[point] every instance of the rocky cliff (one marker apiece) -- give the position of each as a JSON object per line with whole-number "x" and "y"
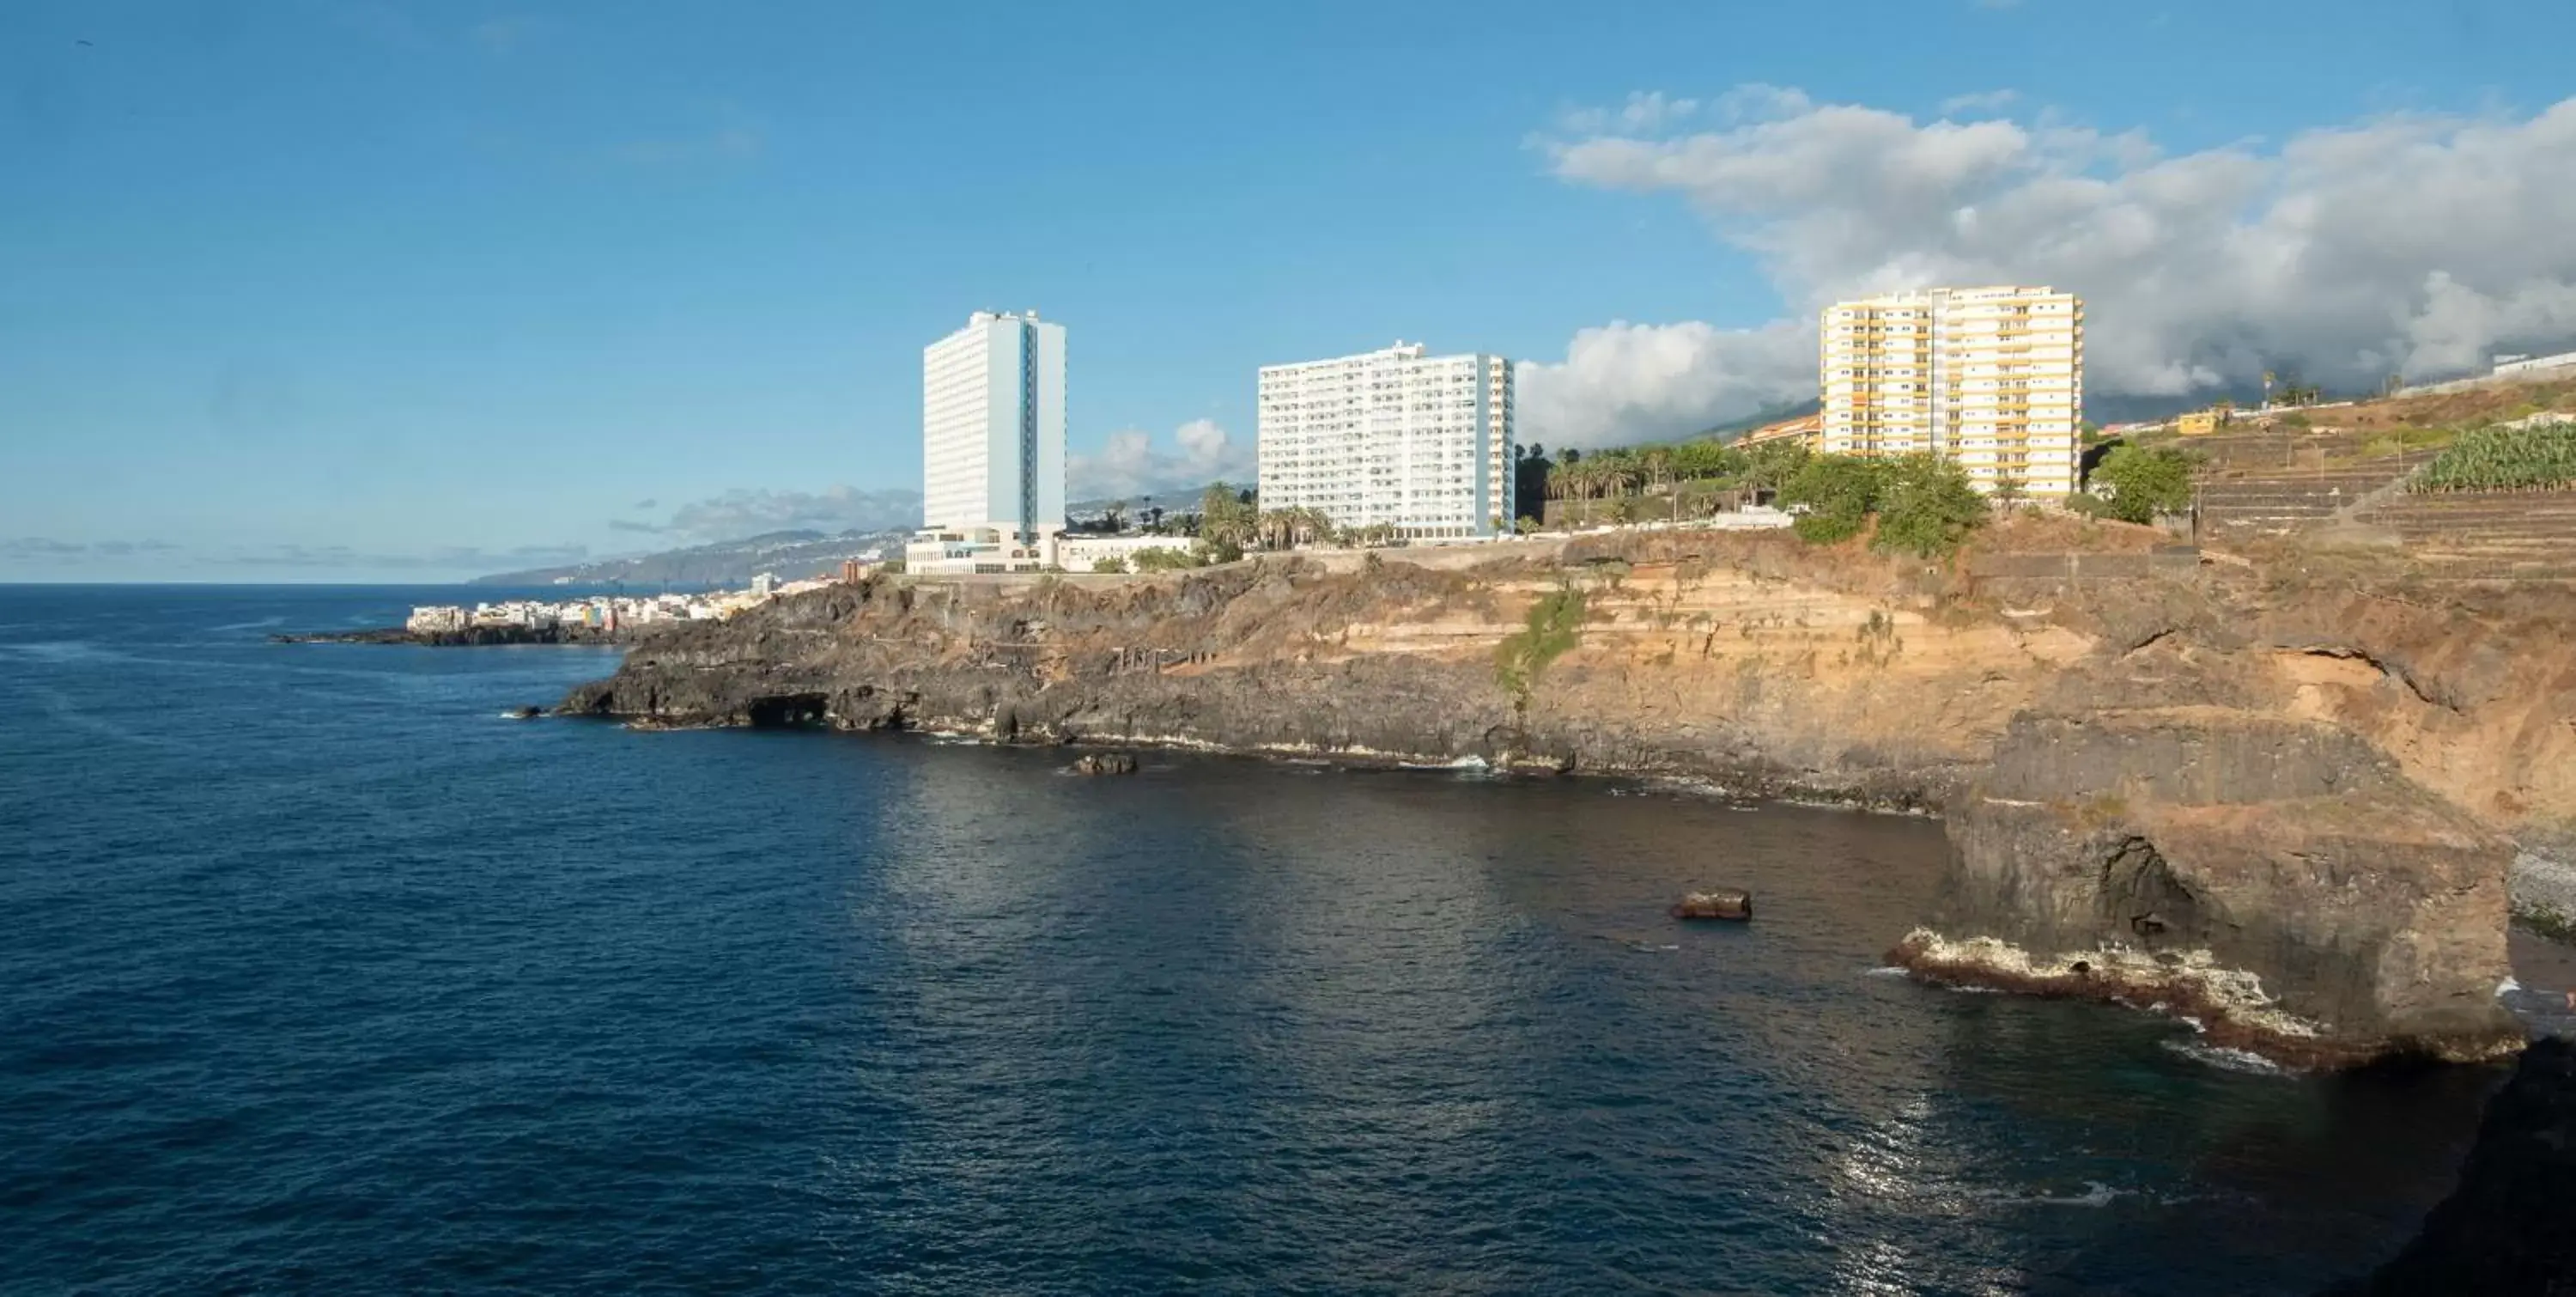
{"x": 2288, "y": 811}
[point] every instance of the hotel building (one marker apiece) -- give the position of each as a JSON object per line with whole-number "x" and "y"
{"x": 992, "y": 427}
{"x": 1397, "y": 438}
{"x": 1991, "y": 378}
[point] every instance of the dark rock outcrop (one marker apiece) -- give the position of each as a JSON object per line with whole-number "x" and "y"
{"x": 2509, "y": 1230}
{"x": 1104, "y": 763}
{"x": 2277, "y": 879}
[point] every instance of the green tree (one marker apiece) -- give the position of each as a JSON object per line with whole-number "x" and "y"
{"x": 1839, "y": 492}
{"x": 1770, "y": 466}
{"x": 1159, "y": 559}
{"x": 1225, "y": 517}
{"x": 1618, "y": 472}
{"x": 1926, "y": 507}
{"x": 2142, "y": 483}
{"x": 1108, "y": 563}
{"x": 1699, "y": 461}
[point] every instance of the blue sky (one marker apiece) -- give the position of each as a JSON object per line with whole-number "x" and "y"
{"x": 353, "y": 289}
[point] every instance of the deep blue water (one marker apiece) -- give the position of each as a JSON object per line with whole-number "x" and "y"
{"x": 319, "y": 976}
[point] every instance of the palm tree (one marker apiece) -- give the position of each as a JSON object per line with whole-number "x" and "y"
{"x": 1656, "y": 462}
{"x": 1580, "y": 477}
{"x": 1618, "y": 475}
{"x": 1312, "y": 526}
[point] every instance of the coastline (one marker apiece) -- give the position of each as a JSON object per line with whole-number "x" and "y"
{"x": 1737, "y": 787}
{"x": 2189, "y": 762}
{"x": 468, "y": 637}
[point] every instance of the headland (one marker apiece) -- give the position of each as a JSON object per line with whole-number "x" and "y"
{"x": 2289, "y": 807}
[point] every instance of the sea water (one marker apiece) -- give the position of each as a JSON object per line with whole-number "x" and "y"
{"x": 320, "y": 975}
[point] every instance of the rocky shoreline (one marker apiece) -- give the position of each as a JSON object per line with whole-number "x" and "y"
{"x": 2227, "y": 1006}
{"x": 2287, "y": 814}
{"x": 469, "y": 637}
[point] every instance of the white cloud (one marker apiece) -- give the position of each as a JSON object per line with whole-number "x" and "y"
{"x": 1625, "y": 382}
{"x": 1983, "y": 101}
{"x": 1129, "y": 465}
{"x": 1646, "y": 110}
{"x": 2413, "y": 244}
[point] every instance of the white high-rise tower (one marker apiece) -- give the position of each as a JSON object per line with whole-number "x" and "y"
{"x": 1397, "y": 438}
{"x": 992, "y": 427}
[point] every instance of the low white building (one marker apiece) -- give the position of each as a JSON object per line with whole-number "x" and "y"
{"x": 966, "y": 551}
{"x": 2506, "y": 366}
{"x": 437, "y": 619}
{"x": 1084, "y": 553}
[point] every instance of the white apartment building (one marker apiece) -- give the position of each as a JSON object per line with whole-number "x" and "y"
{"x": 1396, "y": 437}
{"x": 992, "y": 427}
{"x": 1992, "y": 378}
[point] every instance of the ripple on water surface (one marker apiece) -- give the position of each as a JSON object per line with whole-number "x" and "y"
{"x": 322, "y": 976}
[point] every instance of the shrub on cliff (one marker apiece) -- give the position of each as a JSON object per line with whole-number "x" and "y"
{"x": 1926, "y": 507}
{"x": 2140, "y": 483}
{"x": 1552, "y": 628}
{"x": 1109, "y": 563}
{"x": 1924, "y": 504}
{"x": 1162, "y": 560}
{"x": 1839, "y": 492}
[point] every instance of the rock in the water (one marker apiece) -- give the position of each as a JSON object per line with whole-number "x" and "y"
{"x": 526, "y": 713}
{"x": 1727, "y": 903}
{"x": 1105, "y": 763}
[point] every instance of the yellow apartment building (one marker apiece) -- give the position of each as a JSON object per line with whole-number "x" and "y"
{"x": 1992, "y": 378}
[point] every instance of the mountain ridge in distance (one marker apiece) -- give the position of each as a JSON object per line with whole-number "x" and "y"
{"x": 790, "y": 554}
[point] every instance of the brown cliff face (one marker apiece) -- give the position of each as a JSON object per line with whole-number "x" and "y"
{"x": 2221, "y": 841}
{"x": 2318, "y": 789}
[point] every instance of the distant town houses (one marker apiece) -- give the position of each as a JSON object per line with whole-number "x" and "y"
{"x": 605, "y": 613}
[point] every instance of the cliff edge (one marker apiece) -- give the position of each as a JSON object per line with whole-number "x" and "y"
{"x": 2289, "y": 812}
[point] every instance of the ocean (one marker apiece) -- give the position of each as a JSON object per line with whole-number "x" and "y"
{"x": 321, "y": 975}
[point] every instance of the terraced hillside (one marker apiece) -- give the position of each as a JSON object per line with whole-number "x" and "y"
{"x": 2273, "y": 483}
{"x": 2285, "y": 482}
{"x": 2486, "y": 536}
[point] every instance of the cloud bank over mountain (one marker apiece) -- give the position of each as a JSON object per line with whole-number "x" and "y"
{"x": 2411, "y": 244}
{"x": 1131, "y": 465}
{"x": 746, "y": 512}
